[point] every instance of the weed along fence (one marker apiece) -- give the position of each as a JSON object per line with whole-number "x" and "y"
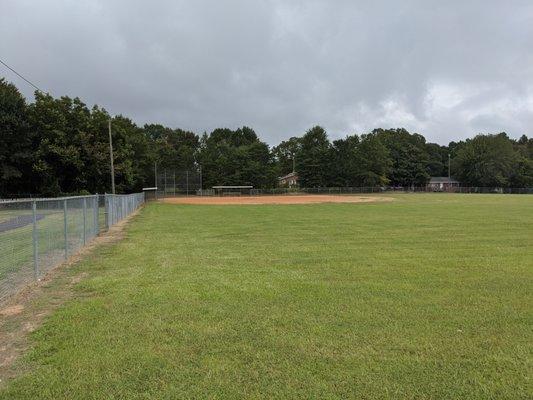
{"x": 38, "y": 234}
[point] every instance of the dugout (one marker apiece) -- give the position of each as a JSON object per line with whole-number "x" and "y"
{"x": 150, "y": 193}
{"x": 233, "y": 190}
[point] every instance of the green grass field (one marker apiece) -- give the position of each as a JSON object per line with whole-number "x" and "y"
{"x": 426, "y": 297}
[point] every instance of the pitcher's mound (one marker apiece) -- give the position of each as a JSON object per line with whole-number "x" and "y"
{"x": 286, "y": 199}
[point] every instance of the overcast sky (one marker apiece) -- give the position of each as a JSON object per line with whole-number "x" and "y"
{"x": 446, "y": 69}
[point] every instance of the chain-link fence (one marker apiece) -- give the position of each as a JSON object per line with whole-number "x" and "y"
{"x": 119, "y": 206}
{"x": 410, "y": 189}
{"x": 38, "y": 234}
{"x": 230, "y": 190}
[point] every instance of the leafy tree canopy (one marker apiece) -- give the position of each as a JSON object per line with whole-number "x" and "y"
{"x": 57, "y": 146}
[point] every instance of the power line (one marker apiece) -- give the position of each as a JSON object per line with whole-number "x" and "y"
{"x": 20, "y": 76}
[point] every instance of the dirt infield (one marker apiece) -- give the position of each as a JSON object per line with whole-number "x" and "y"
{"x": 286, "y": 199}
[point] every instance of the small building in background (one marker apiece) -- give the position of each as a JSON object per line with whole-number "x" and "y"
{"x": 442, "y": 184}
{"x": 289, "y": 180}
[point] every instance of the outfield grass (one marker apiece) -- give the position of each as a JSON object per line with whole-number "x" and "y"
{"x": 428, "y": 296}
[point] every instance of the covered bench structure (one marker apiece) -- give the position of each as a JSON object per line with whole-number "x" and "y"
{"x": 233, "y": 190}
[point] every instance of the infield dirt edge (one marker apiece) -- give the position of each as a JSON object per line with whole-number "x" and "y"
{"x": 283, "y": 199}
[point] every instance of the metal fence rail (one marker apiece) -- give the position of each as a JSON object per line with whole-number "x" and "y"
{"x": 38, "y": 234}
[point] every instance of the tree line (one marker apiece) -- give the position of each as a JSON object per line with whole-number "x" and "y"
{"x": 55, "y": 146}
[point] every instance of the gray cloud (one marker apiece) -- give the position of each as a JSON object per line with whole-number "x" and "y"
{"x": 445, "y": 69}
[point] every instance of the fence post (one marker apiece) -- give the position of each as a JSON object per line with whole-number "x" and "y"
{"x": 112, "y": 211}
{"x": 108, "y": 211}
{"x": 84, "y": 221}
{"x": 95, "y": 215}
{"x": 35, "y": 239}
{"x": 65, "y": 227}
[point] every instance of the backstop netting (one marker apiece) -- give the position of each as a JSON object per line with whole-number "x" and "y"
{"x": 178, "y": 183}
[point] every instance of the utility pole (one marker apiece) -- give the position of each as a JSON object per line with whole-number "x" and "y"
{"x": 293, "y": 163}
{"x": 111, "y": 157}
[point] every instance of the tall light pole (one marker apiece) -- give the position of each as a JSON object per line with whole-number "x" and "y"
{"x": 111, "y": 157}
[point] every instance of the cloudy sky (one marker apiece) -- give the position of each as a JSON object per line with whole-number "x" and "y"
{"x": 446, "y": 69}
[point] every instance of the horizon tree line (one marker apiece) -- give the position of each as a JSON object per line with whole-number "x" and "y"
{"x": 57, "y": 146}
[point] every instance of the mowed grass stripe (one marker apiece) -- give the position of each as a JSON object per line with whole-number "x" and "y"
{"x": 424, "y": 297}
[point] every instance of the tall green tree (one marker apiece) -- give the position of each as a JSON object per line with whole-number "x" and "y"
{"x": 285, "y": 155}
{"x": 314, "y": 164}
{"x": 97, "y": 164}
{"x": 132, "y": 155}
{"x": 373, "y": 162}
{"x": 15, "y": 142}
{"x": 236, "y": 157}
{"x": 71, "y": 148}
{"x": 522, "y": 174}
{"x": 62, "y": 137}
{"x": 174, "y": 149}
{"x": 485, "y": 160}
{"x": 408, "y": 154}
{"x": 344, "y": 161}
{"x": 437, "y": 159}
